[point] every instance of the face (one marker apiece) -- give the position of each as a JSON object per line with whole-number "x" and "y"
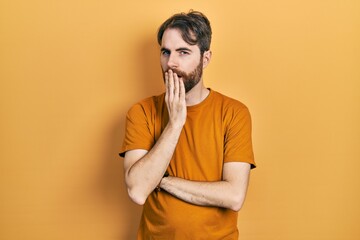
{"x": 184, "y": 59}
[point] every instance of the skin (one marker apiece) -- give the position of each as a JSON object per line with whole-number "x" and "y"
{"x": 144, "y": 170}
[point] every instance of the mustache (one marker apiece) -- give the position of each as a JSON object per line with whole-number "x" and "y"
{"x": 179, "y": 73}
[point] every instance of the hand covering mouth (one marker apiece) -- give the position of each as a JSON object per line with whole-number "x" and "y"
{"x": 178, "y": 74}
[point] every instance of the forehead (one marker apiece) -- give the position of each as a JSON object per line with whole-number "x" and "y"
{"x": 172, "y": 39}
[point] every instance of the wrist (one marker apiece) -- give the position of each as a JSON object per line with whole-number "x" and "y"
{"x": 158, "y": 187}
{"x": 175, "y": 126}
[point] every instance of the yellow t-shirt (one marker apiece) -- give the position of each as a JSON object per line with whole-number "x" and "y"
{"x": 217, "y": 130}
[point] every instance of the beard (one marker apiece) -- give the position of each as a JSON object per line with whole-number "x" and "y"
{"x": 190, "y": 79}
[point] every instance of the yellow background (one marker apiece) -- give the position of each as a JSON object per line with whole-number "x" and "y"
{"x": 70, "y": 70}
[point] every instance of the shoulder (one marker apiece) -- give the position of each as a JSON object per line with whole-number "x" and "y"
{"x": 229, "y": 105}
{"x": 235, "y": 115}
{"x": 147, "y": 105}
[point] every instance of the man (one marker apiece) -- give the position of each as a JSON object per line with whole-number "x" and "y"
{"x": 188, "y": 152}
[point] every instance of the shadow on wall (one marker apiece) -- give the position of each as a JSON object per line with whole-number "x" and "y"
{"x": 110, "y": 183}
{"x": 112, "y": 176}
{"x": 151, "y": 76}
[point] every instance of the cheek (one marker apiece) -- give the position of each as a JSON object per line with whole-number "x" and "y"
{"x": 163, "y": 63}
{"x": 191, "y": 66}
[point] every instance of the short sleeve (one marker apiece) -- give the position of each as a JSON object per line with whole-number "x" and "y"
{"x": 238, "y": 140}
{"x": 138, "y": 131}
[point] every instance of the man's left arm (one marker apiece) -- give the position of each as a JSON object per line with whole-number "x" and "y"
{"x": 229, "y": 193}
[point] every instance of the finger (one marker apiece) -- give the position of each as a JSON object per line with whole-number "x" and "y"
{"x": 171, "y": 85}
{"x": 176, "y": 86}
{"x": 166, "y": 86}
{"x": 182, "y": 90}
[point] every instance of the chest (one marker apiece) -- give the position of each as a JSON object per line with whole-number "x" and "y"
{"x": 200, "y": 148}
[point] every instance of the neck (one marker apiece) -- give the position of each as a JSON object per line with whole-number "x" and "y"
{"x": 197, "y": 94}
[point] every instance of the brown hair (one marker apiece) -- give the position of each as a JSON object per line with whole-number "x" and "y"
{"x": 194, "y": 27}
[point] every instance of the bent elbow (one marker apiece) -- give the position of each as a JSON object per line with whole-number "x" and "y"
{"x": 136, "y": 197}
{"x": 237, "y": 203}
{"x": 236, "y": 207}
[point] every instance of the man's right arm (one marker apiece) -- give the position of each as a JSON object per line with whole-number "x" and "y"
{"x": 145, "y": 169}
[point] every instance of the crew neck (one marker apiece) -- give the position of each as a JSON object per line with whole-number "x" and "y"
{"x": 203, "y": 102}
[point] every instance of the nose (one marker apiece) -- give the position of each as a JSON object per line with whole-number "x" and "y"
{"x": 172, "y": 62}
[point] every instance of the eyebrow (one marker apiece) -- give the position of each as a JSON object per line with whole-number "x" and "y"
{"x": 183, "y": 49}
{"x": 178, "y": 49}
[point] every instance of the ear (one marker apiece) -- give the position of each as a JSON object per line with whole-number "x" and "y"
{"x": 206, "y": 58}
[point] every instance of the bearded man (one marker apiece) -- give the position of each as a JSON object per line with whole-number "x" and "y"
{"x": 187, "y": 152}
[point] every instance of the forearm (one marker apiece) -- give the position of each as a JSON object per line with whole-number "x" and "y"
{"x": 145, "y": 174}
{"x": 144, "y": 170}
{"x": 219, "y": 194}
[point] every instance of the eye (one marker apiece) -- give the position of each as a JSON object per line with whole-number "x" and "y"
{"x": 184, "y": 53}
{"x": 165, "y": 52}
